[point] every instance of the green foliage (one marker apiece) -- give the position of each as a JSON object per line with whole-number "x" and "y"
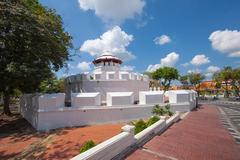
{"x": 33, "y": 43}
{"x": 17, "y": 93}
{"x": 158, "y": 110}
{"x": 236, "y": 81}
{"x": 167, "y": 107}
{"x": 139, "y": 126}
{"x": 52, "y": 85}
{"x": 184, "y": 80}
{"x": 161, "y": 111}
{"x": 88, "y": 145}
{"x": 226, "y": 77}
{"x": 170, "y": 113}
{"x": 152, "y": 120}
{"x": 165, "y": 75}
{"x": 196, "y": 78}
{"x": 218, "y": 85}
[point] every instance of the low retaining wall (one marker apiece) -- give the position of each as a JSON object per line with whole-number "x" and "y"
{"x": 182, "y": 107}
{"x": 68, "y": 117}
{"x": 117, "y": 146}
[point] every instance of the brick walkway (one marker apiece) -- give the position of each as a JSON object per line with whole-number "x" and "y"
{"x": 199, "y": 136}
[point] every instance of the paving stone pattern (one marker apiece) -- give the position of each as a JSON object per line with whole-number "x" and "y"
{"x": 200, "y": 136}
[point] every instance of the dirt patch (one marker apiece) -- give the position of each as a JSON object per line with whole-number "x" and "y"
{"x": 19, "y": 140}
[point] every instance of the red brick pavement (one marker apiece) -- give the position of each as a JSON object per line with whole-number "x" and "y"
{"x": 200, "y": 136}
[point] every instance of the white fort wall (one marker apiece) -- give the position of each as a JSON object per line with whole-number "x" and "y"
{"x": 86, "y": 99}
{"x": 46, "y": 112}
{"x": 57, "y": 116}
{"x": 29, "y": 108}
{"x": 151, "y": 97}
{"x": 104, "y": 86}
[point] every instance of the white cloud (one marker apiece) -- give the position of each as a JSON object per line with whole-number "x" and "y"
{"x": 169, "y": 61}
{"x": 213, "y": 69}
{"x": 114, "y": 41}
{"x": 113, "y": 11}
{"x": 84, "y": 66}
{"x": 127, "y": 68}
{"x": 163, "y": 39}
{"x": 226, "y": 41}
{"x": 185, "y": 64}
{"x": 194, "y": 71}
{"x": 70, "y": 66}
{"x": 200, "y": 60}
{"x": 208, "y": 75}
{"x": 235, "y": 54}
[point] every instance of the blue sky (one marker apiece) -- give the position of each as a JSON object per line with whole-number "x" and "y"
{"x": 191, "y": 35}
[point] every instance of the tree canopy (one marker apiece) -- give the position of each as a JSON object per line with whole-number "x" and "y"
{"x": 165, "y": 75}
{"x": 32, "y": 42}
{"x": 52, "y": 85}
{"x": 195, "y": 79}
{"x": 228, "y": 77}
{"x": 184, "y": 80}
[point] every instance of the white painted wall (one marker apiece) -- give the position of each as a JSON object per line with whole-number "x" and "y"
{"x": 104, "y": 86}
{"x": 46, "y": 112}
{"x": 51, "y": 101}
{"x": 32, "y": 104}
{"x": 178, "y": 96}
{"x": 70, "y": 116}
{"x": 86, "y": 99}
{"x": 120, "y": 98}
{"x": 29, "y": 108}
{"x": 151, "y": 97}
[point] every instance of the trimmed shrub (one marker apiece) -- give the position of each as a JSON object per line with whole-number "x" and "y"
{"x": 161, "y": 111}
{"x": 168, "y": 110}
{"x": 170, "y": 113}
{"x": 86, "y": 146}
{"x": 139, "y": 126}
{"x": 158, "y": 110}
{"x": 167, "y": 107}
{"x": 152, "y": 120}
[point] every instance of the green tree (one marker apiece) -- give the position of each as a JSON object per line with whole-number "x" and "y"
{"x": 218, "y": 86}
{"x": 165, "y": 75}
{"x": 225, "y": 77}
{"x": 184, "y": 80}
{"x": 52, "y": 85}
{"x": 195, "y": 79}
{"x": 33, "y": 43}
{"x": 236, "y": 81}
